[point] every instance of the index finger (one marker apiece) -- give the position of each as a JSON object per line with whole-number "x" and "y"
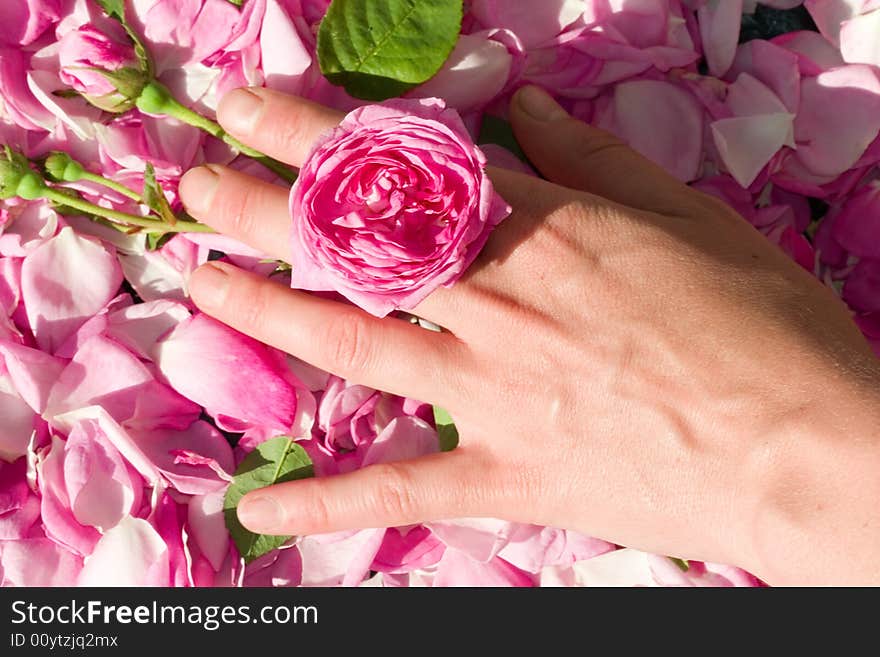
{"x": 281, "y": 126}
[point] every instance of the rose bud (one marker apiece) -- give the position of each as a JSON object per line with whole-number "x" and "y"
{"x": 107, "y": 73}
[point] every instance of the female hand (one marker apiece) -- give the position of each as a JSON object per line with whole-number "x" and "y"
{"x": 627, "y": 358}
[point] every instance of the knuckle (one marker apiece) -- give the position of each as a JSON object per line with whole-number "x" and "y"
{"x": 250, "y": 304}
{"x": 347, "y": 342}
{"x": 596, "y": 144}
{"x": 238, "y": 209}
{"x": 289, "y": 134}
{"x": 313, "y": 513}
{"x": 393, "y": 496}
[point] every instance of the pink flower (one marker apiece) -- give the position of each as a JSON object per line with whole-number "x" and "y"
{"x": 862, "y": 289}
{"x": 64, "y": 282}
{"x": 19, "y": 505}
{"x": 37, "y": 561}
{"x": 104, "y": 373}
{"x": 668, "y": 573}
{"x": 407, "y": 548}
{"x": 188, "y": 31}
{"x": 355, "y": 418}
{"x": 759, "y": 127}
{"x": 476, "y": 72}
{"x": 340, "y": 558}
{"x": 856, "y": 225}
{"x": 17, "y": 423}
{"x": 86, "y": 54}
{"x": 24, "y": 21}
{"x": 533, "y": 26}
{"x": 391, "y": 205}
{"x": 629, "y": 567}
{"x": 282, "y": 567}
{"x": 532, "y": 548}
{"x": 457, "y": 568}
{"x": 851, "y": 25}
{"x": 85, "y": 487}
{"x": 661, "y": 120}
{"x": 346, "y": 415}
{"x": 207, "y": 526}
{"x": 719, "y": 28}
{"x": 197, "y": 460}
{"x": 240, "y": 382}
{"x": 132, "y": 553}
{"x": 839, "y": 118}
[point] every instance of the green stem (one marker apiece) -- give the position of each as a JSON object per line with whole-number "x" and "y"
{"x": 214, "y": 129}
{"x": 151, "y": 225}
{"x": 112, "y": 184}
{"x": 157, "y": 99}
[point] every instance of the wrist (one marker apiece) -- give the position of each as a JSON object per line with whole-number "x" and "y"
{"x": 815, "y": 515}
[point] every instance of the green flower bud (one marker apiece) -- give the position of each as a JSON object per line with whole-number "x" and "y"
{"x": 63, "y": 168}
{"x": 9, "y": 179}
{"x": 155, "y": 99}
{"x": 17, "y": 178}
{"x": 31, "y": 186}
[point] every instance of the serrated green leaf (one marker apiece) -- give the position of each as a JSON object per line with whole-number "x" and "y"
{"x": 447, "y": 434}
{"x": 154, "y": 197}
{"x": 495, "y": 130}
{"x": 275, "y": 461}
{"x": 382, "y": 48}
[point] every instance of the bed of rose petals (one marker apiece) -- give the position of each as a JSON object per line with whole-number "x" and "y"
{"x": 124, "y": 412}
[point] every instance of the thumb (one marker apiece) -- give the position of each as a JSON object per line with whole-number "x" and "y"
{"x": 444, "y": 485}
{"x": 571, "y": 153}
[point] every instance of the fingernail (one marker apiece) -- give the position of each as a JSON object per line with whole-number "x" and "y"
{"x": 197, "y": 189}
{"x": 538, "y": 104}
{"x": 208, "y": 285}
{"x": 239, "y": 111}
{"x": 261, "y": 514}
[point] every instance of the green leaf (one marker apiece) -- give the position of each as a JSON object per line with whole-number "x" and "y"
{"x": 275, "y": 461}
{"x": 681, "y": 563}
{"x": 446, "y": 431}
{"x": 497, "y": 131}
{"x": 156, "y": 241}
{"x": 237, "y": 3}
{"x": 113, "y": 8}
{"x": 66, "y": 93}
{"x": 382, "y": 48}
{"x": 154, "y": 197}
{"x": 140, "y": 51}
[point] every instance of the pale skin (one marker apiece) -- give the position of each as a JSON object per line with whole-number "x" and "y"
{"x": 627, "y": 358}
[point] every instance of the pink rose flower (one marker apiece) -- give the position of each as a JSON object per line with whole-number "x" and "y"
{"x": 25, "y": 20}
{"x": 86, "y": 49}
{"x": 346, "y": 415}
{"x": 392, "y": 204}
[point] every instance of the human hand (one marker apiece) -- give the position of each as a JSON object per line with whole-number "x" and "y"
{"x": 627, "y": 357}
